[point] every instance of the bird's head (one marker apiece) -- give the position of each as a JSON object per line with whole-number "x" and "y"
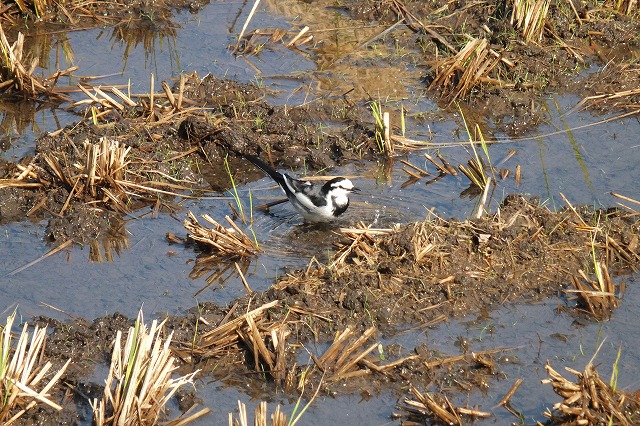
{"x": 340, "y": 187}
{"x": 337, "y": 191}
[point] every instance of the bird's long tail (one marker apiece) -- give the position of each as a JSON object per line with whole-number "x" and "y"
{"x": 266, "y": 168}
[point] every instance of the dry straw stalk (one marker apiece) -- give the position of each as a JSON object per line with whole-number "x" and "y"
{"x": 529, "y": 17}
{"x": 17, "y": 74}
{"x": 105, "y": 163}
{"x": 278, "y": 418}
{"x": 22, "y": 371}
{"x": 457, "y": 75}
{"x": 589, "y": 400}
{"x": 232, "y": 242}
{"x": 139, "y": 382}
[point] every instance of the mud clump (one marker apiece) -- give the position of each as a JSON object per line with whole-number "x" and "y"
{"x": 82, "y": 225}
{"x": 84, "y": 176}
{"x": 573, "y": 53}
{"x": 414, "y": 276}
{"x": 429, "y": 271}
{"x": 379, "y": 283}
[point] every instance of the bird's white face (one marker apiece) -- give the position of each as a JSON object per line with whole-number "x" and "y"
{"x": 340, "y": 190}
{"x": 343, "y": 184}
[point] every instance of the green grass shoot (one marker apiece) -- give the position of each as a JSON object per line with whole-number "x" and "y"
{"x": 485, "y": 148}
{"x": 295, "y": 416}
{"x": 376, "y": 109}
{"x": 253, "y": 233}
{"x": 613, "y": 382}
{"x": 234, "y": 188}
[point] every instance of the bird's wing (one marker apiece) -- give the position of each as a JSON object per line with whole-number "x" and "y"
{"x": 295, "y": 185}
{"x": 307, "y": 194}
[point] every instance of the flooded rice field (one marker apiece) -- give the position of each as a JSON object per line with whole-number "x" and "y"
{"x": 405, "y": 303}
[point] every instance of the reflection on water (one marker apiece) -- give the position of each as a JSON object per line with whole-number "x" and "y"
{"x": 216, "y": 272}
{"x": 54, "y": 50}
{"x": 17, "y": 117}
{"x": 136, "y": 265}
{"x": 151, "y": 33}
{"x": 115, "y": 243}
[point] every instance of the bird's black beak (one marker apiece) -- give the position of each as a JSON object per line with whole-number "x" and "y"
{"x": 356, "y": 190}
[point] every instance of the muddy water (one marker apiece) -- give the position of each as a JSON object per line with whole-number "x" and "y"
{"x": 536, "y": 332}
{"x": 567, "y": 154}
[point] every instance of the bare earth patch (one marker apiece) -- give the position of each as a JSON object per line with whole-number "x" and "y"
{"x": 379, "y": 282}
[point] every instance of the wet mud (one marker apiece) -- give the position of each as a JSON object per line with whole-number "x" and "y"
{"x": 379, "y": 282}
{"x": 570, "y": 56}
{"x": 188, "y": 156}
{"x": 412, "y": 277}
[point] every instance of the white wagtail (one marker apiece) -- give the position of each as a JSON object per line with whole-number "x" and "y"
{"x": 317, "y": 202}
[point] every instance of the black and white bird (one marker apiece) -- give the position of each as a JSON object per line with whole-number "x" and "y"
{"x": 317, "y": 202}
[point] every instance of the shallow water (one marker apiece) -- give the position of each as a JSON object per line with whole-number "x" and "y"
{"x": 581, "y": 158}
{"x": 536, "y": 332}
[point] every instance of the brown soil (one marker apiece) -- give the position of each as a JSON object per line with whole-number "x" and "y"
{"x": 570, "y": 56}
{"x": 415, "y": 276}
{"x": 512, "y": 102}
{"x": 191, "y": 154}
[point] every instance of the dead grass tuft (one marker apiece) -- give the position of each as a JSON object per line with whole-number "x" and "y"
{"x": 589, "y": 400}
{"x": 597, "y": 297}
{"x": 17, "y": 72}
{"x": 99, "y": 173}
{"x": 350, "y": 356}
{"x": 105, "y": 164}
{"x": 344, "y": 358}
{"x": 225, "y": 335}
{"x": 145, "y": 111}
{"x": 424, "y": 240}
{"x": 228, "y": 242}
{"x": 105, "y": 171}
{"x": 22, "y": 372}
{"x": 263, "y": 338}
{"x": 102, "y": 176}
{"x": 278, "y": 418}
{"x": 139, "y": 382}
{"x": 529, "y": 17}
{"x": 308, "y": 279}
{"x": 429, "y": 407}
{"x": 457, "y": 75}
{"x": 360, "y": 244}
